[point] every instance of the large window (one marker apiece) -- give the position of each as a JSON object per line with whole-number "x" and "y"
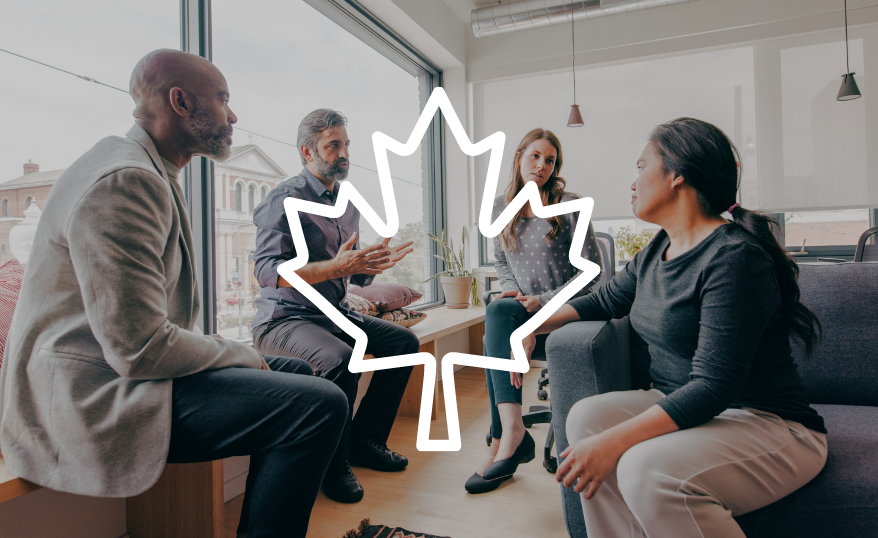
{"x": 51, "y": 118}
{"x": 303, "y": 57}
{"x": 806, "y": 157}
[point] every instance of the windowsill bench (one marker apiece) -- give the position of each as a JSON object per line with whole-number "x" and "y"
{"x": 12, "y": 487}
{"x": 440, "y": 322}
{"x": 188, "y": 499}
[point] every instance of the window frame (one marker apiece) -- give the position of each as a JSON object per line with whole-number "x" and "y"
{"x": 198, "y": 175}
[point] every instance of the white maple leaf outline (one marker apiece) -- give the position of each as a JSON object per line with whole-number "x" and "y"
{"x": 348, "y": 194}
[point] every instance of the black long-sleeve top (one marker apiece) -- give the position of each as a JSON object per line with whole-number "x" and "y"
{"x": 713, "y": 321}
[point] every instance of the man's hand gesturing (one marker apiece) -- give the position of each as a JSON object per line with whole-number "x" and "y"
{"x": 398, "y": 252}
{"x": 368, "y": 261}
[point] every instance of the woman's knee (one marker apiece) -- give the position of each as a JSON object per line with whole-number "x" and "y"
{"x": 591, "y": 416}
{"x": 642, "y": 484}
{"x": 503, "y": 310}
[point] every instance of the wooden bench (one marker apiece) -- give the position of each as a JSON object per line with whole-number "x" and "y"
{"x": 440, "y": 322}
{"x": 12, "y": 487}
{"x": 187, "y": 501}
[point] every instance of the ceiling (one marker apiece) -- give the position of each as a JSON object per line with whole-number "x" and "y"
{"x": 462, "y": 8}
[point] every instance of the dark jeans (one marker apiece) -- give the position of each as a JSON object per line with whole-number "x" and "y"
{"x": 501, "y": 318}
{"x": 288, "y": 422}
{"x": 330, "y": 353}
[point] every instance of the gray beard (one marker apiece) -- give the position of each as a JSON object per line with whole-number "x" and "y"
{"x": 329, "y": 172}
{"x": 209, "y": 132}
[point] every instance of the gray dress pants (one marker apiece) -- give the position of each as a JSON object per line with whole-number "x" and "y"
{"x": 691, "y": 483}
{"x": 329, "y": 355}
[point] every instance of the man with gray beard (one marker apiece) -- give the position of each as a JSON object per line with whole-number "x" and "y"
{"x": 289, "y": 324}
{"x": 106, "y": 377}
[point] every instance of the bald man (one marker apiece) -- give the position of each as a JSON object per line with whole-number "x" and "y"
{"x": 105, "y": 376}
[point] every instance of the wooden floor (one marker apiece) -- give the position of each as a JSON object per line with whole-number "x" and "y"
{"x": 428, "y": 497}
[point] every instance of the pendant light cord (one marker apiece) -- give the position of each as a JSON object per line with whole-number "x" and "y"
{"x": 846, "y": 51}
{"x": 573, "y": 38}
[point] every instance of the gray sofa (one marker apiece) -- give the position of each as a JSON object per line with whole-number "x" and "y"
{"x": 841, "y": 377}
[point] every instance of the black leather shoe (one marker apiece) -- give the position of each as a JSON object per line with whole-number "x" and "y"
{"x": 525, "y": 452}
{"x": 342, "y": 486}
{"x": 478, "y": 484}
{"x": 374, "y": 455}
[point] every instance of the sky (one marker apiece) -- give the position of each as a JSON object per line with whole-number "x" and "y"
{"x": 282, "y": 59}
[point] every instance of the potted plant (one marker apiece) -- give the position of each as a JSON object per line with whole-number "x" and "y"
{"x": 629, "y": 243}
{"x": 458, "y": 283}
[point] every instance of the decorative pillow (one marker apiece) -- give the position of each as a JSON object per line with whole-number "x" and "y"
{"x": 387, "y": 296}
{"x": 11, "y": 275}
{"x": 361, "y": 305}
{"x": 404, "y": 317}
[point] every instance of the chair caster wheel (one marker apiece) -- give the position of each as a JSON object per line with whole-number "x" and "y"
{"x": 488, "y": 438}
{"x": 551, "y": 465}
{"x": 542, "y": 395}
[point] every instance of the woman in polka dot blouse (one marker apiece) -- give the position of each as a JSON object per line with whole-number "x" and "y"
{"x": 532, "y": 262}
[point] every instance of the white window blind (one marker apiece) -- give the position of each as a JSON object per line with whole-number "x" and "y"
{"x": 801, "y": 149}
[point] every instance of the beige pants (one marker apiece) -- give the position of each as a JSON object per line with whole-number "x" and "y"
{"x": 691, "y": 483}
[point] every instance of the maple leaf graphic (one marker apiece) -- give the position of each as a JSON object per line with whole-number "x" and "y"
{"x": 349, "y": 194}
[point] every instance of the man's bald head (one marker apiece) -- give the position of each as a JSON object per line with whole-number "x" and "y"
{"x": 160, "y": 70}
{"x": 183, "y": 99}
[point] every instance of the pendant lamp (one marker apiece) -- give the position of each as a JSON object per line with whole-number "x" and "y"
{"x": 575, "y": 119}
{"x": 849, "y": 89}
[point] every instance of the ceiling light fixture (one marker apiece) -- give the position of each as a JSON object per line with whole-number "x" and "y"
{"x": 575, "y": 119}
{"x": 849, "y": 89}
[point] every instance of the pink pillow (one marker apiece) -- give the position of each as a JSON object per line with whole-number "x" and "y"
{"x": 387, "y": 296}
{"x": 11, "y": 275}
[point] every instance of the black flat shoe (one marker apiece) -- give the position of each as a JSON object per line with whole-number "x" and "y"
{"x": 477, "y": 484}
{"x": 342, "y": 486}
{"x": 374, "y": 455}
{"x": 525, "y": 452}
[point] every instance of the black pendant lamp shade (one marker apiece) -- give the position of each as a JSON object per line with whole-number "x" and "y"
{"x": 849, "y": 89}
{"x": 575, "y": 119}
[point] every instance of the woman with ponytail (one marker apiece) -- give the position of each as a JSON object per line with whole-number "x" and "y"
{"x": 533, "y": 264}
{"x": 726, "y": 427}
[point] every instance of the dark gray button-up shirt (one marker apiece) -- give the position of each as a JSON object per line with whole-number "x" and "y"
{"x": 274, "y": 246}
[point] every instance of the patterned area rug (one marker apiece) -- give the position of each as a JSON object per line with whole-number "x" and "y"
{"x": 365, "y": 530}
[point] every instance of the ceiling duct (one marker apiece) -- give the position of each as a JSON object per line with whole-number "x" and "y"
{"x": 520, "y": 15}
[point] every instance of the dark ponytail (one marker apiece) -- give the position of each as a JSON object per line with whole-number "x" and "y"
{"x": 708, "y": 161}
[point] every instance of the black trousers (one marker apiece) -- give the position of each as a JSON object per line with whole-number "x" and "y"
{"x": 330, "y": 353}
{"x": 287, "y": 420}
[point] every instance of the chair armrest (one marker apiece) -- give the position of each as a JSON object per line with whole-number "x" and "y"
{"x": 586, "y": 358}
{"x": 488, "y": 295}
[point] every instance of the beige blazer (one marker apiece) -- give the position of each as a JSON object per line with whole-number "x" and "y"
{"x": 103, "y": 325}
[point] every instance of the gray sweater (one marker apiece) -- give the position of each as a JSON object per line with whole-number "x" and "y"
{"x": 535, "y": 267}
{"x": 713, "y": 321}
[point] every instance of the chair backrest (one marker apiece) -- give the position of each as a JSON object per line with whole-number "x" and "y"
{"x": 844, "y": 367}
{"x": 867, "y": 246}
{"x": 608, "y": 257}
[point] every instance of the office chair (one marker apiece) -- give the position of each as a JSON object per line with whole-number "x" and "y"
{"x": 864, "y": 252}
{"x": 541, "y": 414}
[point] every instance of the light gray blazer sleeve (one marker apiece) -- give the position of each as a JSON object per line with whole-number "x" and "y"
{"x": 117, "y": 235}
